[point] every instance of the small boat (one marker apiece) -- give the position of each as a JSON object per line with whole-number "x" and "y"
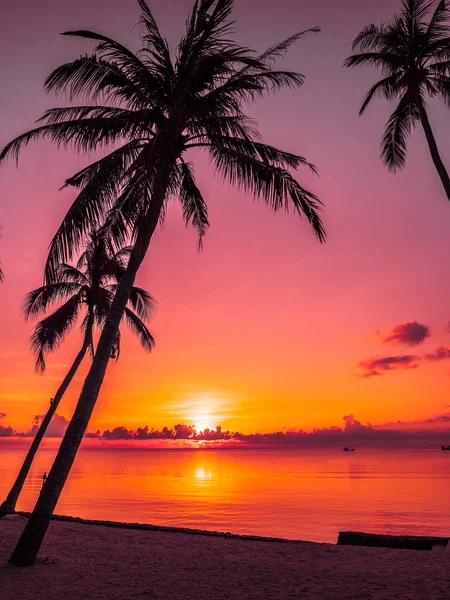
{"x": 445, "y": 447}
{"x": 347, "y": 449}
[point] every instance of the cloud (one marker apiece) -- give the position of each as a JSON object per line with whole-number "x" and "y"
{"x": 373, "y": 367}
{"x": 409, "y": 334}
{"x": 93, "y": 434}
{"x": 351, "y": 424}
{"x": 352, "y": 431}
{"x": 6, "y": 431}
{"x": 119, "y": 433}
{"x": 56, "y": 429}
{"x": 445, "y": 418}
{"x": 441, "y": 353}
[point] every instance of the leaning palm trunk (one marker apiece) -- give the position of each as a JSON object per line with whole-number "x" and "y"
{"x": 31, "y": 539}
{"x": 439, "y": 165}
{"x": 9, "y": 505}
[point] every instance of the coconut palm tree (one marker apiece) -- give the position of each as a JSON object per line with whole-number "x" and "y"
{"x": 154, "y": 108}
{"x": 413, "y": 53}
{"x": 88, "y": 287}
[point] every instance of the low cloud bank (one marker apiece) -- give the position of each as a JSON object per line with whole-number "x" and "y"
{"x": 352, "y": 431}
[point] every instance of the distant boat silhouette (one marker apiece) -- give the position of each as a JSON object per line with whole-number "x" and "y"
{"x": 347, "y": 449}
{"x": 445, "y": 447}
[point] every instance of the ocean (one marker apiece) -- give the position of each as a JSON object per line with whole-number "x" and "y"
{"x": 308, "y": 494}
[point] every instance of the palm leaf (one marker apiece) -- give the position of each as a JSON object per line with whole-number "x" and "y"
{"x": 51, "y": 331}
{"x": 138, "y": 327}
{"x": 274, "y": 185}
{"x": 39, "y": 300}
{"x": 398, "y": 128}
{"x": 195, "y": 209}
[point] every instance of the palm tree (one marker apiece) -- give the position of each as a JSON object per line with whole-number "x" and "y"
{"x": 88, "y": 286}
{"x": 413, "y": 53}
{"x": 155, "y": 108}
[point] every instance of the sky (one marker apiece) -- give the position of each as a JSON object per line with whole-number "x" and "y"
{"x": 266, "y": 329}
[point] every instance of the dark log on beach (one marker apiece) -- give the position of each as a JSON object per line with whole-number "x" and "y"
{"x": 406, "y": 542}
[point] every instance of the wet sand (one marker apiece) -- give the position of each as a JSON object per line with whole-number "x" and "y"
{"x": 90, "y": 562}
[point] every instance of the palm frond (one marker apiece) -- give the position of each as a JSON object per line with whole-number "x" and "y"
{"x": 387, "y": 88}
{"x": 94, "y": 77}
{"x": 70, "y": 274}
{"x": 85, "y": 135}
{"x": 399, "y": 126}
{"x": 264, "y": 152}
{"x": 274, "y": 185}
{"x": 38, "y": 301}
{"x": 279, "y": 50}
{"x": 387, "y": 61}
{"x": 51, "y": 331}
{"x": 129, "y": 64}
{"x": 138, "y": 327}
{"x": 370, "y": 38}
{"x": 438, "y": 25}
{"x": 154, "y": 42}
{"x": 142, "y": 303}
{"x": 100, "y": 184}
{"x": 195, "y": 209}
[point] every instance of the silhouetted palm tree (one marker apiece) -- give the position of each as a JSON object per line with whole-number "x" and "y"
{"x": 163, "y": 108}
{"x": 88, "y": 286}
{"x": 413, "y": 53}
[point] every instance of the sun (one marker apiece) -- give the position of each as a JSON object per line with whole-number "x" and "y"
{"x": 202, "y": 422}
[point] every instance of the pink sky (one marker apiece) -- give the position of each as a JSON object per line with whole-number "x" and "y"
{"x": 266, "y": 327}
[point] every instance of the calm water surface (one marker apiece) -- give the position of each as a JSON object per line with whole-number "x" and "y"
{"x": 303, "y": 494}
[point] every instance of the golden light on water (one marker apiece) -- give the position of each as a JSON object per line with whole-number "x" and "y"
{"x": 202, "y": 474}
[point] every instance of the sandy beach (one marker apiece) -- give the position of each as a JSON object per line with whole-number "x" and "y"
{"x": 84, "y": 562}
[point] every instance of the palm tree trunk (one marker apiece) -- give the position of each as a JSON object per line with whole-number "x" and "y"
{"x": 31, "y": 539}
{"x": 440, "y": 167}
{"x": 9, "y": 505}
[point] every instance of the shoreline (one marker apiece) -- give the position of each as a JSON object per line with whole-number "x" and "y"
{"x": 168, "y": 529}
{"x": 344, "y": 538}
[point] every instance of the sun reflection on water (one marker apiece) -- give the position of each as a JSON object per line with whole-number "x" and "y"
{"x": 201, "y": 474}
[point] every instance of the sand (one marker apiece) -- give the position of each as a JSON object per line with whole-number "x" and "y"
{"x": 91, "y": 562}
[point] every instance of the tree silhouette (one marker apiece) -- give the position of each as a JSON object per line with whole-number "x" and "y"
{"x": 88, "y": 287}
{"x": 413, "y": 53}
{"x": 154, "y": 109}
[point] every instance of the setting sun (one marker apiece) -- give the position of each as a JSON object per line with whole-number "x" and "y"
{"x": 202, "y": 421}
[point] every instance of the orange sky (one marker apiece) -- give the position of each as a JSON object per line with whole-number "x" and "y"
{"x": 265, "y": 328}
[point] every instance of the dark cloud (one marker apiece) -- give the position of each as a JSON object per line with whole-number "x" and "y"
{"x": 6, "y": 431}
{"x": 351, "y": 424}
{"x": 445, "y": 418}
{"x": 409, "y": 334}
{"x": 214, "y": 434}
{"x": 92, "y": 434}
{"x": 119, "y": 433}
{"x": 441, "y": 353}
{"x": 352, "y": 431}
{"x": 380, "y": 365}
{"x": 56, "y": 429}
